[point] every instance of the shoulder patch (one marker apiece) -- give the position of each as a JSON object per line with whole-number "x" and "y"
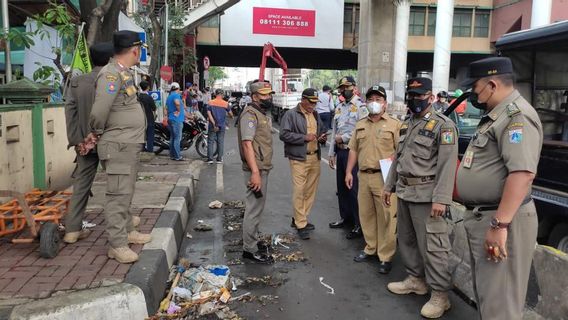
{"x": 430, "y": 125}
{"x": 512, "y": 109}
{"x": 516, "y": 135}
{"x": 448, "y": 136}
{"x": 111, "y": 78}
{"x": 516, "y": 125}
{"x": 111, "y": 88}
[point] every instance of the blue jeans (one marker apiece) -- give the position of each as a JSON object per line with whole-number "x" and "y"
{"x": 175, "y": 138}
{"x": 212, "y": 139}
{"x": 150, "y": 137}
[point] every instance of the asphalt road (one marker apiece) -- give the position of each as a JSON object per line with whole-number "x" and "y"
{"x": 359, "y": 290}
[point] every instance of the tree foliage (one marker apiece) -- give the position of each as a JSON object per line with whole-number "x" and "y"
{"x": 319, "y": 78}
{"x": 216, "y": 73}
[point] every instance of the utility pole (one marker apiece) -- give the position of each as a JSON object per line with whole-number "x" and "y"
{"x": 7, "y": 51}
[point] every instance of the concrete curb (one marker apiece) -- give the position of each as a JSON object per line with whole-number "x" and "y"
{"x": 150, "y": 273}
{"x": 121, "y": 301}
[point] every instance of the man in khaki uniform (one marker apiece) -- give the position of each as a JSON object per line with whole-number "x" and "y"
{"x": 78, "y": 103}
{"x": 375, "y": 138}
{"x": 423, "y": 174}
{"x": 494, "y": 183}
{"x": 302, "y": 130}
{"x": 119, "y": 127}
{"x": 255, "y": 147}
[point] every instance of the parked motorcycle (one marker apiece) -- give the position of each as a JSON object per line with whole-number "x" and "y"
{"x": 194, "y": 129}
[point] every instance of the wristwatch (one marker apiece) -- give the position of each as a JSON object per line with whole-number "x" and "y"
{"x": 496, "y": 224}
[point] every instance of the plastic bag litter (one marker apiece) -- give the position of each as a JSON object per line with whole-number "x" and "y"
{"x": 215, "y": 204}
{"x": 182, "y": 293}
{"x": 201, "y": 279}
{"x": 173, "y": 308}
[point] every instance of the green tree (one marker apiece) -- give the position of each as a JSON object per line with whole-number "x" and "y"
{"x": 216, "y": 73}
{"x": 319, "y": 78}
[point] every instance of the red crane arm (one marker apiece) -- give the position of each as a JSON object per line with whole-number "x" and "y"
{"x": 269, "y": 51}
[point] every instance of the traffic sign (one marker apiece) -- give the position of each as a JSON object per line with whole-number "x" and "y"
{"x": 156, "y": 95}
{"x": 166, "y": 73}
{"x": 206, "y": 63}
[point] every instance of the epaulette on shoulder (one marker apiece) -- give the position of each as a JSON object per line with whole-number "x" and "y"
{"x": 513, "y": 109}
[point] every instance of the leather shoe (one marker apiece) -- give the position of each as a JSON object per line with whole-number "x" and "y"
{"x": 385, "y": 267}
{"x": 308, "y": 226}
{"x": 304, "y": 234}
{"x": 355, "y": 233}
{"x": 338, "y": 224}
{"x": 258, "y": 257}
{"x": 362, "y": 256}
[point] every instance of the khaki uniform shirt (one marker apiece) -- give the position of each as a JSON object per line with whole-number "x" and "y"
{"x": 116, "y": 114}
{"x": 78, "y": 103}
{"x": 427, "y": 150}
{"x": 256, "y": 126}
{"x": 312, "y": 129}
{"x": 508, "y": 139}
{"x": 374, "y": 141}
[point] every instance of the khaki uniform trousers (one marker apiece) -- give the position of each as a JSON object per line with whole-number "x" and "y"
{"x": 501, "y": 288}
{"x": 424, "y": 244}
{"x": 84, "y": 175}
{"x": 378, "y": 223}
{"x": 305, "y": 179}
{"x": 120, "y": 161}
{"x": 253, "y": 210}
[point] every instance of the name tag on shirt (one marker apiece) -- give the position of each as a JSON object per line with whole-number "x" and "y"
{"x": 468, "y": 159}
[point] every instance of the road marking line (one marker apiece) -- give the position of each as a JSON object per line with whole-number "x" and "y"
{"x": 322, "y": 158}
{"x": 220, "y": 186}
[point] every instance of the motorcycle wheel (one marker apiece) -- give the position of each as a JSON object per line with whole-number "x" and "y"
{"x": 201, "y": 146}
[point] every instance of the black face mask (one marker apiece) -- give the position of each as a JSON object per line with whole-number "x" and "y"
{"x": 417, "y": 106}
{"x": 266, "y": 104}
{"x": 473, "y": 100}
{"x": 347, "y": 94}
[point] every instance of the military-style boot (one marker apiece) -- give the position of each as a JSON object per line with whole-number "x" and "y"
{"x": 122, "y": 254}
{"x": 138, "y": 238}
{"x": 409, "y": 285}
{"x": 136, "y": 221}
{"x": 436, "y": 306}
{"x": 72, "y": 237}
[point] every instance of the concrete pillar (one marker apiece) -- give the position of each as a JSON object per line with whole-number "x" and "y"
{"x": 442, "y": 46}
{"x": 540, "y": 14}
{"x": 375, "y": 48}
{"x": 400, "y": 51}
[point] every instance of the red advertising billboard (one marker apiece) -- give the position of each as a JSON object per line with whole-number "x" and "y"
{"x": 284, "y": 22}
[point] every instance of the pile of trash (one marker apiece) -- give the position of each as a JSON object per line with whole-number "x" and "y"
{"x": 197, "y": 292}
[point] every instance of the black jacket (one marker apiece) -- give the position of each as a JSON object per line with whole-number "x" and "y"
{"x": 149, "y": 106}
{"x": 293, "y": 129}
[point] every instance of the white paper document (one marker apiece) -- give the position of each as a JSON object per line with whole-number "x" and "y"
{"x": 385, "y": 167}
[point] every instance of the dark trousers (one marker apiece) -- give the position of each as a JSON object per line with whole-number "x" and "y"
{"x": 326, "y": 119}
{"x": 149, "y": 137}
{"x": 348, "y": 205}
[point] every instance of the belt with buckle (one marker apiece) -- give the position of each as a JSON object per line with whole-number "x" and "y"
{"x": 310, "y": 153}
{"x": 412, "y": 181}
{"x": 371, "y": 171}
{"x": 494, "y": 207}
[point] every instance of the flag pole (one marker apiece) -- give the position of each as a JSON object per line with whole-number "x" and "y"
{"x": 68, "y": 78}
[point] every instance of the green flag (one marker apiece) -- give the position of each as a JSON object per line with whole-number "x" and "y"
{"x": 81, "y": 60}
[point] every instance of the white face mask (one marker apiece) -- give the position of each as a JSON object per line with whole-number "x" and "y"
{"x": 374, "y": 107}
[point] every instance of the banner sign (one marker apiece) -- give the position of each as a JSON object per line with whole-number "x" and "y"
{"x": 286, "y": 22}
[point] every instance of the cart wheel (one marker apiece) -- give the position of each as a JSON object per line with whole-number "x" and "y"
{"x": 48, "y": 240}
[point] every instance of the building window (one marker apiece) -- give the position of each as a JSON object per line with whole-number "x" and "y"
{"x": 481, "y": 24}
{"x": 348, "y": 19}
{"x": 431, "y": 21}
{"x": 462, "y": 22}
{"x": 417, "y": 21}
{"x": 212, "y": 22}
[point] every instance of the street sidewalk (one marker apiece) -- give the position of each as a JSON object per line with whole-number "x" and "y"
{"x": 25, "y": 277}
